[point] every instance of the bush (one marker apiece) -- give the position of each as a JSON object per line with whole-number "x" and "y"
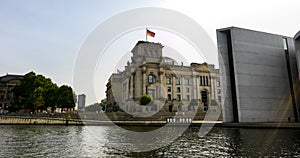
{"x": 145, "y": 99}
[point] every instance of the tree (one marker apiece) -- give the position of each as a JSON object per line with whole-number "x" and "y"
{"x": 103, "y": 105}
{"x": 51, "y": 95}
{"x": 23, "y": 92}
{"x": 38, "y": 98}
{"x": 93, "y": 108}
{"x": 214, "y": 103}
{"x": 36, "y": 92}
{"x": 65, "y": 97}
{"x": 194, "y": 102}
{"x": 145, "y": 99}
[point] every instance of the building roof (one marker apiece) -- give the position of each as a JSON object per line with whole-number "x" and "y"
{"x": 244, "y": 29}
{"x": 297, "y": 36}
{"x": 9, "y": 77}
{"x": 141, "y": 42}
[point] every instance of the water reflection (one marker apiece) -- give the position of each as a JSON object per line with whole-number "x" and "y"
{"x": 99, "y": 141}
{"x": 264, "y": 142}
{"x": 232, "y": 142}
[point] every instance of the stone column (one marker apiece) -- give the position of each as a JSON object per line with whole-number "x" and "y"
{"x": 173, "y": 87}
{"x": 144, "y": 79}
{"x": 131, "y": 86}
{"x": 138, "y": 84}
{"x": 196, "y": 88}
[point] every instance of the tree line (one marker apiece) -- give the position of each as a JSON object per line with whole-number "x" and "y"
{"x": 96, "y": 107}
{"x": 36, "y": 92}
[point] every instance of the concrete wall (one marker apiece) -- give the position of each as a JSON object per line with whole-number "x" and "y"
{"x": 255, "y": 76}
{"x": 297, "y": 47}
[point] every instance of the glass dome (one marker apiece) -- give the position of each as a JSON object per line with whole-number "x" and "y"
{"x": 170, "y": 61}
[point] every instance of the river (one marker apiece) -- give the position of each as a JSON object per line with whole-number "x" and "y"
{"x": 109, "y": 141}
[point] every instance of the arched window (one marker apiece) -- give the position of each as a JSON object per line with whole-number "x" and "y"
{"x": 177, "y": 81}
{"x": 169, "y": 80}
{"x": 151, "y": 78}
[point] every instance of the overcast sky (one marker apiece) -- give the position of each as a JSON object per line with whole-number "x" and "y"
{"x": 45, "y": 35}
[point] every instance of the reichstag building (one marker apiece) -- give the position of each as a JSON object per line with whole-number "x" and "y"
{"x": 173, "y": 87}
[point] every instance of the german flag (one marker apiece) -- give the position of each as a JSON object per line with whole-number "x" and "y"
{"x": 150, "y": 33}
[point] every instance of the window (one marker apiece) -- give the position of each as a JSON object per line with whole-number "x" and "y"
{"x": 219, "y": 97}
{"x": 206, "y": 79}
{"x": 169, "y": 97}
{"x": 151, "y": 78}
{"x": 178, "y": 89}
{"x": 150, "y": 53}
{"x": 169, "y": 81}
{"x": 218, "y": 84}
{"x": 151, "y": 93}
{"x": 187, "y": 89}
{"x": 178, "y": 97}
{"x": 187, "y": 82}
{"x": 147, "y": 52}
{"x": 201, "y": 80}
{"x": 155, "y": 54}
{"x": 187, "y": 97}
{"x": 285, "y": 44}
{"x": 169, "y": 89}
{"x": 177, "y": 81}
{"x": 219, "y": 91}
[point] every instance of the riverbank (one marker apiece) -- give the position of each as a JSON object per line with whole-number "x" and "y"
{"x": 81, "y": 122}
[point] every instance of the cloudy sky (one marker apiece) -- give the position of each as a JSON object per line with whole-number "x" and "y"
{"x": 45, "y": 36}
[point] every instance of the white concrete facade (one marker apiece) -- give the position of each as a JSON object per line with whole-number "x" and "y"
{"x": 258, "y": 76}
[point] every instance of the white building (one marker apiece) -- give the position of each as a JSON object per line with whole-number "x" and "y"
{"x": 81, "y": 103}
{"x": 172, "y": 87}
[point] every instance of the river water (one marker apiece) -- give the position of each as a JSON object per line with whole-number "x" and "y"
{"x": 107, "y": 141}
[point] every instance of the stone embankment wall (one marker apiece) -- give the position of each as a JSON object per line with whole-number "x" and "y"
{"x": 34, "y": 120}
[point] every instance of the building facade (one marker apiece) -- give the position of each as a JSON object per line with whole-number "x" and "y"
{"x": 81, "y": 103}
{"x": 297, "y": 49}
{"x": 7, "y": 83}
{"x": 259, "y": 76}
{"x": 171, "y": 86}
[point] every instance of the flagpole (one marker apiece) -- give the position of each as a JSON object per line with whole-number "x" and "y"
{"x": 146, "y": 34}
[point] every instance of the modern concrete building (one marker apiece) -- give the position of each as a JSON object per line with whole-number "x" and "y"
{"x": 258, "y": 75}
{"x": 297, "y": 47}
{"x": 172, "y": 86}
{"x": 81, "y": 103}
{"x": 7, "y": 83}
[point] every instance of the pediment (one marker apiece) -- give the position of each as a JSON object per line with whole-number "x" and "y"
{"x": 202, "y": 68}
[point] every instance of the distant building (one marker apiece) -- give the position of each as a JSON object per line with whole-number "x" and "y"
{"x": 169, "y": 84}
{"x": 7, "y": 83}
{"x": 259, "y": 76}
{"x": 81, "y": 103}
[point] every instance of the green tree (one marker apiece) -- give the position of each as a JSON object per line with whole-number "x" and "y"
{"x": 103, "y": 105}
{"x": 65, "y": 98}
{"x": 213, "y": 102}
{"x": 37, "y": 92}
{"x": 51, "y": 95}
{"x": 23, "y": 92}
{"x": 93, "y": 108}
{"x": 145, "y": 99}
{"x": 38, "y": 98}
{"x": 193, "y": 103}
